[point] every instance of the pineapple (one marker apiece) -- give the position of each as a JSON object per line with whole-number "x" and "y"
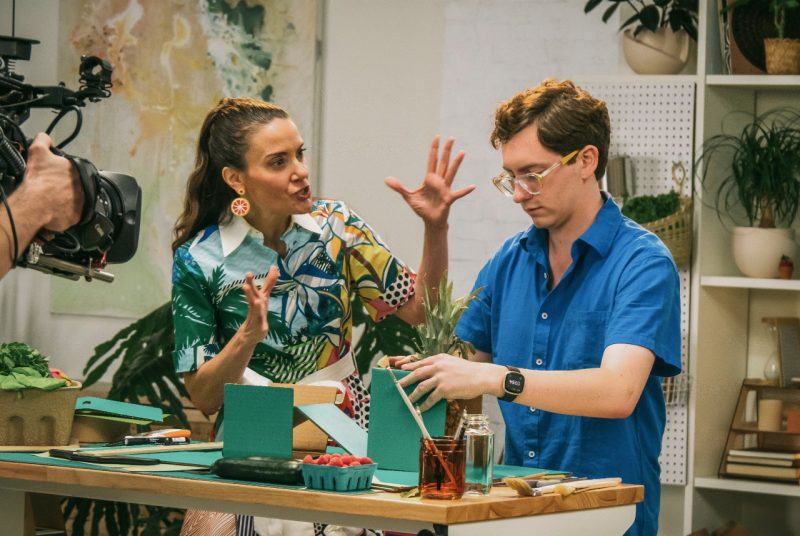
{"x": 437, "y": 335}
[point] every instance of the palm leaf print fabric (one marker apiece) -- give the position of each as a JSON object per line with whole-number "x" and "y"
{"x": 330, "y": 252}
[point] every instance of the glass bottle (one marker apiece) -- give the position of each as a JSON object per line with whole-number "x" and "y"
{"x": 480, "y": 454}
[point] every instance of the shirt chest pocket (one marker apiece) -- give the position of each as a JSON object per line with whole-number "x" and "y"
{"x": 583, "y": 338}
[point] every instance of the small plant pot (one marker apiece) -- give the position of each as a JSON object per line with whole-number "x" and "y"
{"x": 757, "y": 252}
{"x": 660, "y": 52}
{"x": 782, "y": 56}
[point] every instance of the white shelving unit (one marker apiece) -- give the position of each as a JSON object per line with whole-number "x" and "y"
{"x": 748, "y": 282}
{"x": 728, "y": 341}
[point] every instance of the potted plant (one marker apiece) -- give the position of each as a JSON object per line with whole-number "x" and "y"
{"x": 437, "y": 335}
{"x": 781, "y": 52}
{"x": 754, "y": 177}
{"x": 656, "y": 36}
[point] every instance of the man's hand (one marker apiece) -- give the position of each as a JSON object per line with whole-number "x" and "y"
{"x": 432, "y": 200}
{"x": 54, "y": 182}
{"x": 449, "y": 377}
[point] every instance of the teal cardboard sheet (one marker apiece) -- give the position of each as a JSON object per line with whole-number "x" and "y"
{"x": 394, "y": 436}
{"x": 258, "y": 421}
{"x": 337, "y": 425}
{"x": 93, "y": 406}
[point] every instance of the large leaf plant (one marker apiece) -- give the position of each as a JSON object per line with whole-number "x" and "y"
{"x": 145, "y": 375}
{"x": 653, "y": 14}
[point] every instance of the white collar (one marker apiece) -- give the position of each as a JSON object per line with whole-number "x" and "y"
{"x": 232, "y": 234}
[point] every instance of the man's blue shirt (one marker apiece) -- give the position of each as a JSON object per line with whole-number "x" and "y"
{"x": 621, "y": 288}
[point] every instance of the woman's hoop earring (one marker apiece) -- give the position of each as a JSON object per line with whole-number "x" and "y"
{"x": 240, "y": 206}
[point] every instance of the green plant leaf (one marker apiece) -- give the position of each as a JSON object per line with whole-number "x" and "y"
{"x": 755, "y": 170}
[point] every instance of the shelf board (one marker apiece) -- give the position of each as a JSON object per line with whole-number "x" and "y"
{"x": 753, "y": 429}
{"x": 638, "y": 79}
{"x": 747, "y": 486}
{"x": 749, "y": 282}
{"x": 755, "y": 81}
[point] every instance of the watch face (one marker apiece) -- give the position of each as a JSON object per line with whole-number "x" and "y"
{"x": 514, "y": 383}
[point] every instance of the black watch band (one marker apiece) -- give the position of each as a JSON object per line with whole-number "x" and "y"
{"x": 513, "y": 384}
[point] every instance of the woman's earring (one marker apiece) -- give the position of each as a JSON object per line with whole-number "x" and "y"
{"x": 240, "y": 206}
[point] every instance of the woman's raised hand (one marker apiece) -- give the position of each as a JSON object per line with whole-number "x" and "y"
{"x": 432, "y": 200}
{"x": 255, "y": 327}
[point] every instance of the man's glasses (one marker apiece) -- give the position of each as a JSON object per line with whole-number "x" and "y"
{"x": 529, "y": 182}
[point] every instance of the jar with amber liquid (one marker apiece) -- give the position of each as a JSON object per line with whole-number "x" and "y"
{"x": 441, "y": 468}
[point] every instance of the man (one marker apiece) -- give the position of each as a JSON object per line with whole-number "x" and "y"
{"x": 49, "y": 197}
{"x": 578, "y": 316}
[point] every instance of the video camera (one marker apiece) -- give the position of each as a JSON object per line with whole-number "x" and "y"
{"x": 108, "y": 230}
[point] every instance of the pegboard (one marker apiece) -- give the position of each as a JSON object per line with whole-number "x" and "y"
{"x": 653, "y": 125}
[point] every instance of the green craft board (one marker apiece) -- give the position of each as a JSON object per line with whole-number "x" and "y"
{"x": 91, "y": 406}
{"x": 258, "y": 421}
{"x": 394, "y": 436}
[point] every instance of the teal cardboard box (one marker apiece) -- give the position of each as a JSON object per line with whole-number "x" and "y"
{"x": 258, "y": 421}
{"x": 394, "y": 437}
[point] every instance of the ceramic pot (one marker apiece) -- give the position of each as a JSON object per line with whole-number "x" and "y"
{"x": 660, "y": 52}
{"x": 757, "y": 252}
{"x": 782, "y": 56}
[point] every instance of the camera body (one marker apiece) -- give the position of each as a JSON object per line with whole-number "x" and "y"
{"x": 108, "y": 230}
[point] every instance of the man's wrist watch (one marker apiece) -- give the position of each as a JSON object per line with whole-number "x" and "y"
{"x": 513, "y": 384}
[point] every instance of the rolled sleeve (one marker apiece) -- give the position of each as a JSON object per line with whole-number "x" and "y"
{"x": 383, "y": 282}
{"x": 647, "y": 312}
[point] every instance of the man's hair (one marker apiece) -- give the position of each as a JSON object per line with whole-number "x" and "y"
{"x": 566, "y": 118}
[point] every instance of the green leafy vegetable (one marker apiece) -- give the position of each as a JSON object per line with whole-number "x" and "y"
{"x": 23, "y": 367}
{"x": 647, "y": 208}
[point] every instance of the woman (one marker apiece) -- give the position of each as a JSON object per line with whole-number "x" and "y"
{"x": 263, "y": 273}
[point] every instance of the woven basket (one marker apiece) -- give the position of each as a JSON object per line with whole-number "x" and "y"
{"x": 675, "y": 231}
{"x": 782, "y": 55}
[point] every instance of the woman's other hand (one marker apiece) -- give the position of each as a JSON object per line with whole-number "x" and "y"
{"x": 432, "y": 200}
{"x": 255, "y": 327}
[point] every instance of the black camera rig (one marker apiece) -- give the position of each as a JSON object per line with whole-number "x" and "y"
{"x": 108, "y": 230}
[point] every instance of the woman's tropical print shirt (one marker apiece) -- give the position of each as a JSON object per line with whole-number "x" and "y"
{"x": 329, "y": 252}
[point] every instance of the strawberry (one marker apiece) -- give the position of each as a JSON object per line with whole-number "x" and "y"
{"x": 365, "y": 460}
{"x": 309, "y": 459}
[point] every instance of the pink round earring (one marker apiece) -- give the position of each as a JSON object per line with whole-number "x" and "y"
{"x": 240, "y": 206}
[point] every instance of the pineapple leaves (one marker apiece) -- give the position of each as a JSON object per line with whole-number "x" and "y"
{"x": 438, "y": 334}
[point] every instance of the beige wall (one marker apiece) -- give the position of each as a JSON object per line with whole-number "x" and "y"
{"x": 382, "y": 64}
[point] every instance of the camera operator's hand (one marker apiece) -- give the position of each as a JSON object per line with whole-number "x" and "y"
{"x": 55, "y": 180}
{"x": 49, "y": 197}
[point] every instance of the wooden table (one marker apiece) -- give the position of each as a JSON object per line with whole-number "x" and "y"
{"x": 606, "y": 511}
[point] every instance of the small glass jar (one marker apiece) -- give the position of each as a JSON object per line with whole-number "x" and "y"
{"x": 480, "y": 454}
{"x": 441, "y": 468}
